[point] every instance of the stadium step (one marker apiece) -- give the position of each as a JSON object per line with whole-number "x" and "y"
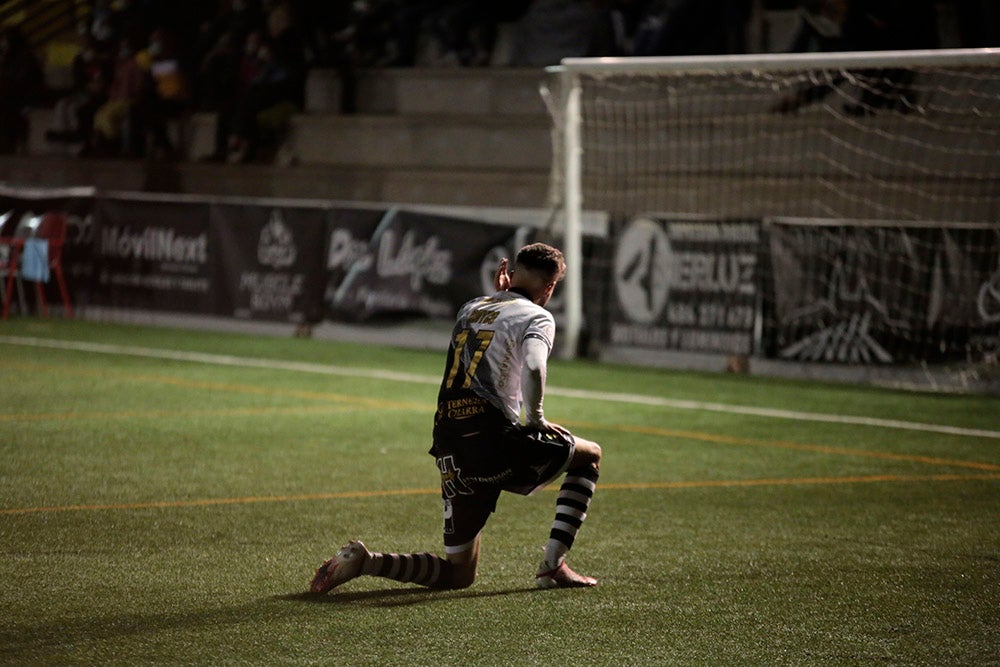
{"x": 455, "y": 91}
{"x": 413, "y": 140}
{"x": 470, "y": 137}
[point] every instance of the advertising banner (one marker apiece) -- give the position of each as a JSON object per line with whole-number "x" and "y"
{"x": 685, "y": 283}
{"x": 349, "y": 233}
{"x": 269, "y": 261}
{"x": 872, "y": 293}
{"x": 154, "y": 255}
{"x": 414, "y": 264}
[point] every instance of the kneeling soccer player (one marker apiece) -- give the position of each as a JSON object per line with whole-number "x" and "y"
{"x": 497, "y": 357}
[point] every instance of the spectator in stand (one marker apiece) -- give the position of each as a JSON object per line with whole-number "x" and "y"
{"x": 131, "y": 20}
{"x": 264, "y": 109}
{"x": 821, "y": 27}
{"x": 249, "y": 71}
{"x": 625, "y": 17}
{"x": 113, "y": 21}
{"x": 693, "y": 27}
{"x": 102, "y": 28}
{"x": 280, "y": 19}
{"x": 339, "y": 36}
{"x": 891, "y": 25}
{"x": 227, "y": 64}
{"x": 978, "y": 23}
{"x": 551, "y": 30}
{"x": 218, "y": 87}
{"x": 237, "y": 18}
{"x": 464, "y": 32}
{"x": 166, "y": 93}
{"x": 271, "y": 86}
{"x": 116, "y": 128}
{"x": 74, "y": 113}
{"x": 425, "y": 33}
{"x": 865, "y": 25}
{"x": 388, "y": 32}
{"x": 285, "y": 36}
{"x": 821, "y": 30}
{"x": 22, "y": 84}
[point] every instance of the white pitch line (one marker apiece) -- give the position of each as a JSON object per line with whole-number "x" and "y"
{"x": 220, "y": 359}
{"x": 375, "y": 374}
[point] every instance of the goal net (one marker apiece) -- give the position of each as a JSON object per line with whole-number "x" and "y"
{"x": 890, "y": 161}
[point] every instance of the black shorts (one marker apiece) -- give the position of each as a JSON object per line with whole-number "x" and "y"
{"x": 475, "y": 467}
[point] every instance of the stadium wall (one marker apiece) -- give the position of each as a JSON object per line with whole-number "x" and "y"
{"x": 396, "y": 274}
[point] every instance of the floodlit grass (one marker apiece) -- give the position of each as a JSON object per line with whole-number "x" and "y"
{"x": 168, "y": 511}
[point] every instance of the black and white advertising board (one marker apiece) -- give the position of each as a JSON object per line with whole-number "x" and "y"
{"x": 155, "y": 255}
{"x": 409, "y": 264}
{"x": 840, "y": 291}
{"x": 278, "y": 261}
{"x": 880, "y": 293}
{"x": 685, "y": 283}
{"x": 270, "y": 258}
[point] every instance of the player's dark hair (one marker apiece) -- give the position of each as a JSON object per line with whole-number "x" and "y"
{"x": 542, "y": 258}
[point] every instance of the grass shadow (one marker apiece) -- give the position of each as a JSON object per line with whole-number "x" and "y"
{"x": 26, "y": 643}
{"x": 20, "y": 644}
{"x": 29, "y": 643}
{"x": 398, "y": 597}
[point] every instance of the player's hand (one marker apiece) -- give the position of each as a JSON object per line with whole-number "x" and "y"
{"x": 501, "y": 279}
{"x": 554, "y": 428}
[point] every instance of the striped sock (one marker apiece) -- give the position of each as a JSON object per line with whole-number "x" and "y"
{"x": 571, "y": 509}
{"x": 423, "y": 569}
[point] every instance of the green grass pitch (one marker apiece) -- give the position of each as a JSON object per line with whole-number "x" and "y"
{"x": 165, "y": 497}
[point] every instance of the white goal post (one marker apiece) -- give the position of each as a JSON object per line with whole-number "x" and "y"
{"x": 894, "y": 136}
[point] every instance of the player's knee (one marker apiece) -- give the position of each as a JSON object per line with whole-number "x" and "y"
{"x": 595, "y": 458}
{"x": 588, "y": 453}
{"x": 461, "y": 577}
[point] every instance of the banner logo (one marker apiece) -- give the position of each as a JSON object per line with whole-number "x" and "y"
{"x": 346, "y": 251}
{"x": 686, "y": 284}
{"x": 989, "y": 299}
{"x": 405, "y": 256}
{"x": 158, "y": 244}
{"x": 642, "y": 270}
{"x": 842, "y": 322}
{"x": 276, "y": 247}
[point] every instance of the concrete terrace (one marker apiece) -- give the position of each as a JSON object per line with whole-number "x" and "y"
{"x": 470, "y": 137}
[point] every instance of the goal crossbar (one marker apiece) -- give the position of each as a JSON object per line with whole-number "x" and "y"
{"x": 779, "y": 61}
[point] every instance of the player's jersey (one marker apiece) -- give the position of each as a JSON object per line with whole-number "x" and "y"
{"x": 482, "y": 378}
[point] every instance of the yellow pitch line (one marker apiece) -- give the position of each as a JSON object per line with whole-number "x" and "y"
{"x": 170, "y": 380}
{"x": 797, "y": 481}
{"x": 348, "y": 495}
{"x": 144, "y": 414}
{"x": 263, "y": 391}
{"x": 208, "y": 502}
